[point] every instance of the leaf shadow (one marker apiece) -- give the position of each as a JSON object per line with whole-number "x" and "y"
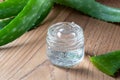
{"x": 117, "y": 74}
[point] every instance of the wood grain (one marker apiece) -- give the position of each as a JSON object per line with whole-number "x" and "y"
{"x": 25, "y": 58}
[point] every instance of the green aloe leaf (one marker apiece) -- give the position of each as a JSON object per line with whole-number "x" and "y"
{"x": 25, "y": 20}
{"x": 108, "y": 63}
{"x": 94, "y": 9}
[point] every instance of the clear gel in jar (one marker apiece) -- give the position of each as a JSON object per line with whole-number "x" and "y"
{"x": 65, "y": 44}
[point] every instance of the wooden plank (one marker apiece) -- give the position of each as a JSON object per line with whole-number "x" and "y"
{"x": 25, "y": 58}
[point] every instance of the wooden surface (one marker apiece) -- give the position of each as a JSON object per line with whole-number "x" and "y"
{"x": 25, "y": 58}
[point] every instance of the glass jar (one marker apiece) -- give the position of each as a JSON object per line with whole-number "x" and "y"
{"x": 65, "y": 44}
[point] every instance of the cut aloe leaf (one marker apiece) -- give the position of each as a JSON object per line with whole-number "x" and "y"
{"x": 108, "y": 63}
{"x": 10, "y": 8}
{"x": 45, "y": 12}
{"x": 94, "y": 9}
{"x": 4, "y": 22}
{"x": 24, "y": 20}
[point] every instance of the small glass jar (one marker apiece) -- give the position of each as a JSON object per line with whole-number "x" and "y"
{"x": 65, "y": 44}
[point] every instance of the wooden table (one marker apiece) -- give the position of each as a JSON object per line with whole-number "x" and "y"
{"x": 25, "y": 58}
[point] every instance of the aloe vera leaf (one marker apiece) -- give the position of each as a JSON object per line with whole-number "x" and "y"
{"x": 108, "y": 63}
{"x": 10, "y": 8}
{"x": 44, "y": 14}
{"x": 46, "y": 11}
{"x": 94, "y": 9}
{"x": 4, "y": 22}
{"x": 24, "y": 20}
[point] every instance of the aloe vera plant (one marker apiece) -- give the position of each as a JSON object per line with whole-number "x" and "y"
{"x": 24, "y": 20}
{"x": 94, "y": 9}
{"x": 108, "y": 63}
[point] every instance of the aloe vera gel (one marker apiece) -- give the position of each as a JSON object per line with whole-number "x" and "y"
{"x": 65, "y": 44}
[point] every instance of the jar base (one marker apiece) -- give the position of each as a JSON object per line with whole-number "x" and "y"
{"x": 68, "y": 65}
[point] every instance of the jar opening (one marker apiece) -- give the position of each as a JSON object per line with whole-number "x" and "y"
{"x": 65, "y": 34}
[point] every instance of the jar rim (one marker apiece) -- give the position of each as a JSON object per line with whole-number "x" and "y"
{"x": 52, "y": 34}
